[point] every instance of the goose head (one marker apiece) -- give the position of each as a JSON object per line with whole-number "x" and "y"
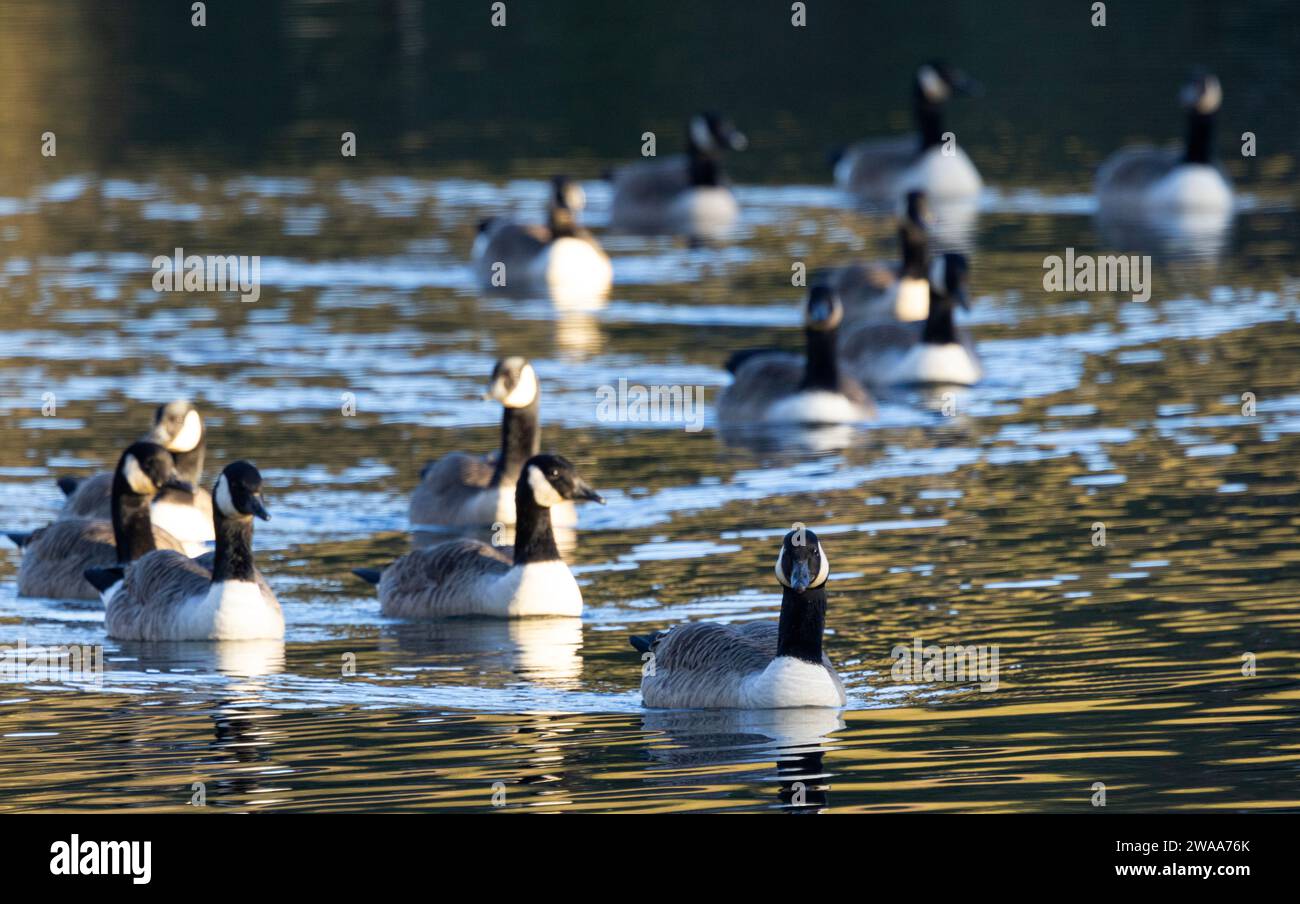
{"x": 146, "y": 469}
{"x": 513, "y": 383}
{"x": 711, "y": 134}
{"x": 552, "y": 479}
{"x": 177, "y": 427}
{"x": 824, "y": 310}
{"x": 1201, "y": 94}
{"x": 802, "y": 564}
{"x": 238, "y": 493}
{"x": 567, "y": 201}
{"x": 936, "y": 82}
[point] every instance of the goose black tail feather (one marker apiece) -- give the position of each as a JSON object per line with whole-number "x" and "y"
{"x": 68, "y": 484}
{"x": 103, "y": 578}
{"x": 20, "y": 540}
{"x": 369, "y": 575}
{"x": 644, "y": 643}
{"x": 739, "y": 358}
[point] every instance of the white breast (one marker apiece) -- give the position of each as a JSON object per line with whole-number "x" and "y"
{"x": 230, "y": 610}
{"x": 1191, "y": 188}
{"x": 790, "y": 682}
{"x": 911, "y": 299}
{"x": 539, "y": 588}
{"x": 942, "y": 177}
{"x": 815, "y": 407}
{"x": 929, "y": 363}
{"x": 186, "y": 523}
{"x": 573, "y": 268}
{"x": 708, "y": 212}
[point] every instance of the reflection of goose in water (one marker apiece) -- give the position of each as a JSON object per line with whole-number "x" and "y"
{"x": 235, "y": 658}
{"x": 543, "y": 651}
{"x": 795, "y": 738}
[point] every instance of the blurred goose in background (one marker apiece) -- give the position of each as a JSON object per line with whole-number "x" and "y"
{"x": 773, "y": 386}
{"x": 463, "y": 490}
{"x": 56, "y": 556}
{"x": 468, "y": 577}
{"x": 751, "y": 665}
{"x": 683, "y": 194}
{"x": 559, "y": 258}
{"x": 165, "y": 595}
{"x": 894, "y": 290}
{"x": 185, "y": 515}
{"x": 880, "y": 170}
{"x": 932, "y": 351}
{"x": 1146, "y": 180}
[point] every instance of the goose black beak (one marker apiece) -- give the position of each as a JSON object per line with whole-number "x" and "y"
{"x": 175, "y": 483}
{"x": 259, "y": 508}
{"x": 962, "y": 298}
{"x": 801, "y": 578}
{"x": 583, "y": 490}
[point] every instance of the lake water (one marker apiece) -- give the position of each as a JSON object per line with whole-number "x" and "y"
{"x": 1120, "y": 664}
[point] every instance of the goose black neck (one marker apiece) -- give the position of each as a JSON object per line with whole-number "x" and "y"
{"x": 705, "y": 168}
{"x": 803, "y": 619}
{"x": 939, "y": 327}
{"x": 521, "y": 439}
{"x": 132, "y": 528}
{"x": 233, "y": 560}
{"x": 820, "y": 369}
{"x": 562, "y": 222}
{"x": 189, "y": 465}
{"x": 929, "y": 121}
{"x": 916, "y": 249}
{"x": 1200, "y": 134}
{"x": 534, "y": 539}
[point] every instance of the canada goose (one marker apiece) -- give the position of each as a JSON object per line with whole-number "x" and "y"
{"x": 467, "y": 577}
{"x": 751, "y": 665}
{"x": 560, "y": 257}
{"x": 463, "y": 490}
{"x": 685, "y": 194}
{"x": 55, "y": 556}
{"x": 932, "y": 351}
{"x": 880, "y": 170}
{"x": 178, "y": 428}
{"x": 772, "y": 386}
{"x": 220, "y": 596}
{"x": 896, "y": 290}
{"x": 1145, "y": 179}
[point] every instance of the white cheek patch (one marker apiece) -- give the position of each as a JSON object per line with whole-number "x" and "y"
{"x": 525, "y": 391}
{"x": 780, "y": 567}
{"x": 825, "y": 571}
{"x": 702, "y": 135}
{"x": 1211, "y": 98}
{"x": 191, "y": 432}
{"x": 136, "y": 478}
{"x": 932, "y": 84}
{"x": 224, "y": 501}
{"x": 912, "y": 301}
{"x": 543, "y": 492}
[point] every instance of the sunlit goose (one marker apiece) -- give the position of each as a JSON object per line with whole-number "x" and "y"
{"x": 560, "y": 257}
{"x": 464, "y": 490}
{"x": 468, "y": 577}
{"x": 751, "y": 665}
{"x": 220, "y": 596}
{"x": 773, "y": 387}
{"x": 56, "y": 556}
{"x": 932, "y": 351}
{"x": 1152, "y": 181}
{"x": 187, "y": 516}
{"x": 881, "y": 170}
{"x": 683, "y": 194}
